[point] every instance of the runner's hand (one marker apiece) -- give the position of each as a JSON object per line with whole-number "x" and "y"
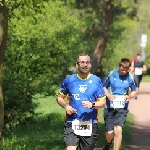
{"x": 86, "y": 104}
{"x": 111, "y": 97}
{"x": 70, "y": 110}
{"x": 127, "y": 97}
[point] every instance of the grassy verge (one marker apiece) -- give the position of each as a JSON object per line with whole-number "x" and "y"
{"x": 45, "y": 132}
{"x": 146, "y": 78}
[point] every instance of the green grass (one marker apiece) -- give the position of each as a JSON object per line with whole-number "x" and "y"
{"x": 45, "y": 132}
{"x": 146, "y": 78}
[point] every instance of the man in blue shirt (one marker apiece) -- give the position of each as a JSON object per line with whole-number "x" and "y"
{"x": 116, "y": 85}
{"x": 85, "y": 95}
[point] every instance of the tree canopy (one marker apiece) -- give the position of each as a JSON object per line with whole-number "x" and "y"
{"x": 46, "y": 36}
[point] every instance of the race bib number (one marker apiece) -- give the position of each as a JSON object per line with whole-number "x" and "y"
{"x": 82, "y": 128}
{"x": 118, "y": 102}
{"x": 138, "y": 71}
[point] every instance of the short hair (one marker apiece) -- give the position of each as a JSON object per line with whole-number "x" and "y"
{"x": 82, "y": 55}
{"x": 125, "y": 62}
{"x": 138, "y": 54}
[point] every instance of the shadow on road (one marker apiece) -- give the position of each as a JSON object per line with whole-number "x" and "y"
{"x": 140, "y": 137}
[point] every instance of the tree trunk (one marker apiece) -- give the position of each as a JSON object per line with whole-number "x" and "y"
{"x": 3, "y": 39}
{"x": 98, "y": 53}
{"x": 101, "y": 44}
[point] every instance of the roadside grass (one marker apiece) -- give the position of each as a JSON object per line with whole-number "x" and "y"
{"x": 146, "y": 78}
{"x": 45, "y": 132}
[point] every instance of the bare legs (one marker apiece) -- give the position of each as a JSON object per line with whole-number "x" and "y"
{"x": 71, "y": 147}
{"x": 116, "y": 135}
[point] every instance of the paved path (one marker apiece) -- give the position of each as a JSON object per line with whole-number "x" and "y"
{"x": 140, "y": 108}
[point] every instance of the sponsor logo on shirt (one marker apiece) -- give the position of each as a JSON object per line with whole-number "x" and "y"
{"x": 90, "y": 81}
{"x": 76, "y": 96}
{"x": 82, "y": 88}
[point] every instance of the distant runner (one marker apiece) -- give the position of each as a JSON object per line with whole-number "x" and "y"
{"x": 138, "y": 72}
{"x": 116, "y": 85}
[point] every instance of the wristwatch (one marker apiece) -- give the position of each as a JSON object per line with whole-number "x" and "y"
{"x": 93, "y": 105}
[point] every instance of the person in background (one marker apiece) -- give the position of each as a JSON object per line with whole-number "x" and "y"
{"x": 132, "y": 65}
{"x": 138, "y": 71}
{"x": 85, "y": 96}
{"x": 116, "y": 85}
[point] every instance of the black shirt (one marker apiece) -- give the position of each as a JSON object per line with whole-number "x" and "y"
{"x": 138, "y": 64}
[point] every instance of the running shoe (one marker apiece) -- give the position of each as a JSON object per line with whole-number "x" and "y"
{"x": 106, "y": 147}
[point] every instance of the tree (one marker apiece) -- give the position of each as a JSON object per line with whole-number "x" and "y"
{"x": 3, "y": 39}
{"x": 107, "y": 20}
{"x": 41, "y": 37}
{"x": 101, "y": 44}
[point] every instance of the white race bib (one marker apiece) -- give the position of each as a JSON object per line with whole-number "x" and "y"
{"x": 82, "y": 128}
{"x": 138, "y": 71}
{"x": 118, "y": 102}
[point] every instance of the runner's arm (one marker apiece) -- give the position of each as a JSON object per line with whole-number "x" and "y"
{"x": 144, "y": 68}
{"x": 98, "y": 104}
{"x": 110, "y": 96}
{"x": 60, "y": 100}
{"x": 132, "y": 94}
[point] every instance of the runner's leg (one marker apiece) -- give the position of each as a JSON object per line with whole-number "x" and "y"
{"x": 137, "y": 79}
{"x": 119, "y": 121}
{"x": 109, "y": 126}
{"x": 117, "y": 137}
{"x": 70, "y": 139}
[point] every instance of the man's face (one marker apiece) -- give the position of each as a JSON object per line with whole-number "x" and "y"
{"x": 123, "y": 70}
{"x": 84, "y": 64}
{"x": 138, "y": 58}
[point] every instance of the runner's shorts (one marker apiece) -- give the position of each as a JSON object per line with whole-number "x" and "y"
{"x": 114, "y": 117}
{"x": 82, "y": 142}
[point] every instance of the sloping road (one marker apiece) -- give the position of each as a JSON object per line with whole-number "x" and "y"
{"x": 140, "y": 108}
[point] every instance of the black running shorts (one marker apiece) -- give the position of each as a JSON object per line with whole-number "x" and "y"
{"x": 82, "y": 142}
{"x": 114, "y": 117}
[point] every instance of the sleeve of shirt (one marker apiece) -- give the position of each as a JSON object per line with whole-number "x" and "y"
{"x": 100, "y": 94}
{"x": 64, "y": 88}
{"x": 106, "y": 81}
{"x": 132, "y": 83}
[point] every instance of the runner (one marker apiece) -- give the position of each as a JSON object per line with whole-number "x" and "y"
{"x": 138, "y": 73}
{"x": 132, "y": 60}
{"x": 116, "y": 84}
{"x": 86, "y": 95}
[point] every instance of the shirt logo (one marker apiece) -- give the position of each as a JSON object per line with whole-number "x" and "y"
{"x": 82, "y": 88}
{"x": 90, "y": 81}
{"x": 124, "y": 81}
{"x": 76, "y": 96}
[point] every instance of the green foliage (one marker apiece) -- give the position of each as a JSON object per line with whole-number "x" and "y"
{"x": 123, "y": 13}
{"x": 147, "y": 63}
{"x": 41, "y": 130}
{"x": 41, "y": 37}
{"x": 45, "y": 132}
{"x": 45, "y": 37}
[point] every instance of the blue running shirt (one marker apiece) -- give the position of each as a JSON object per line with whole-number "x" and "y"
{"x": 118, "y": 84}
{"x": 78, "y": 90}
